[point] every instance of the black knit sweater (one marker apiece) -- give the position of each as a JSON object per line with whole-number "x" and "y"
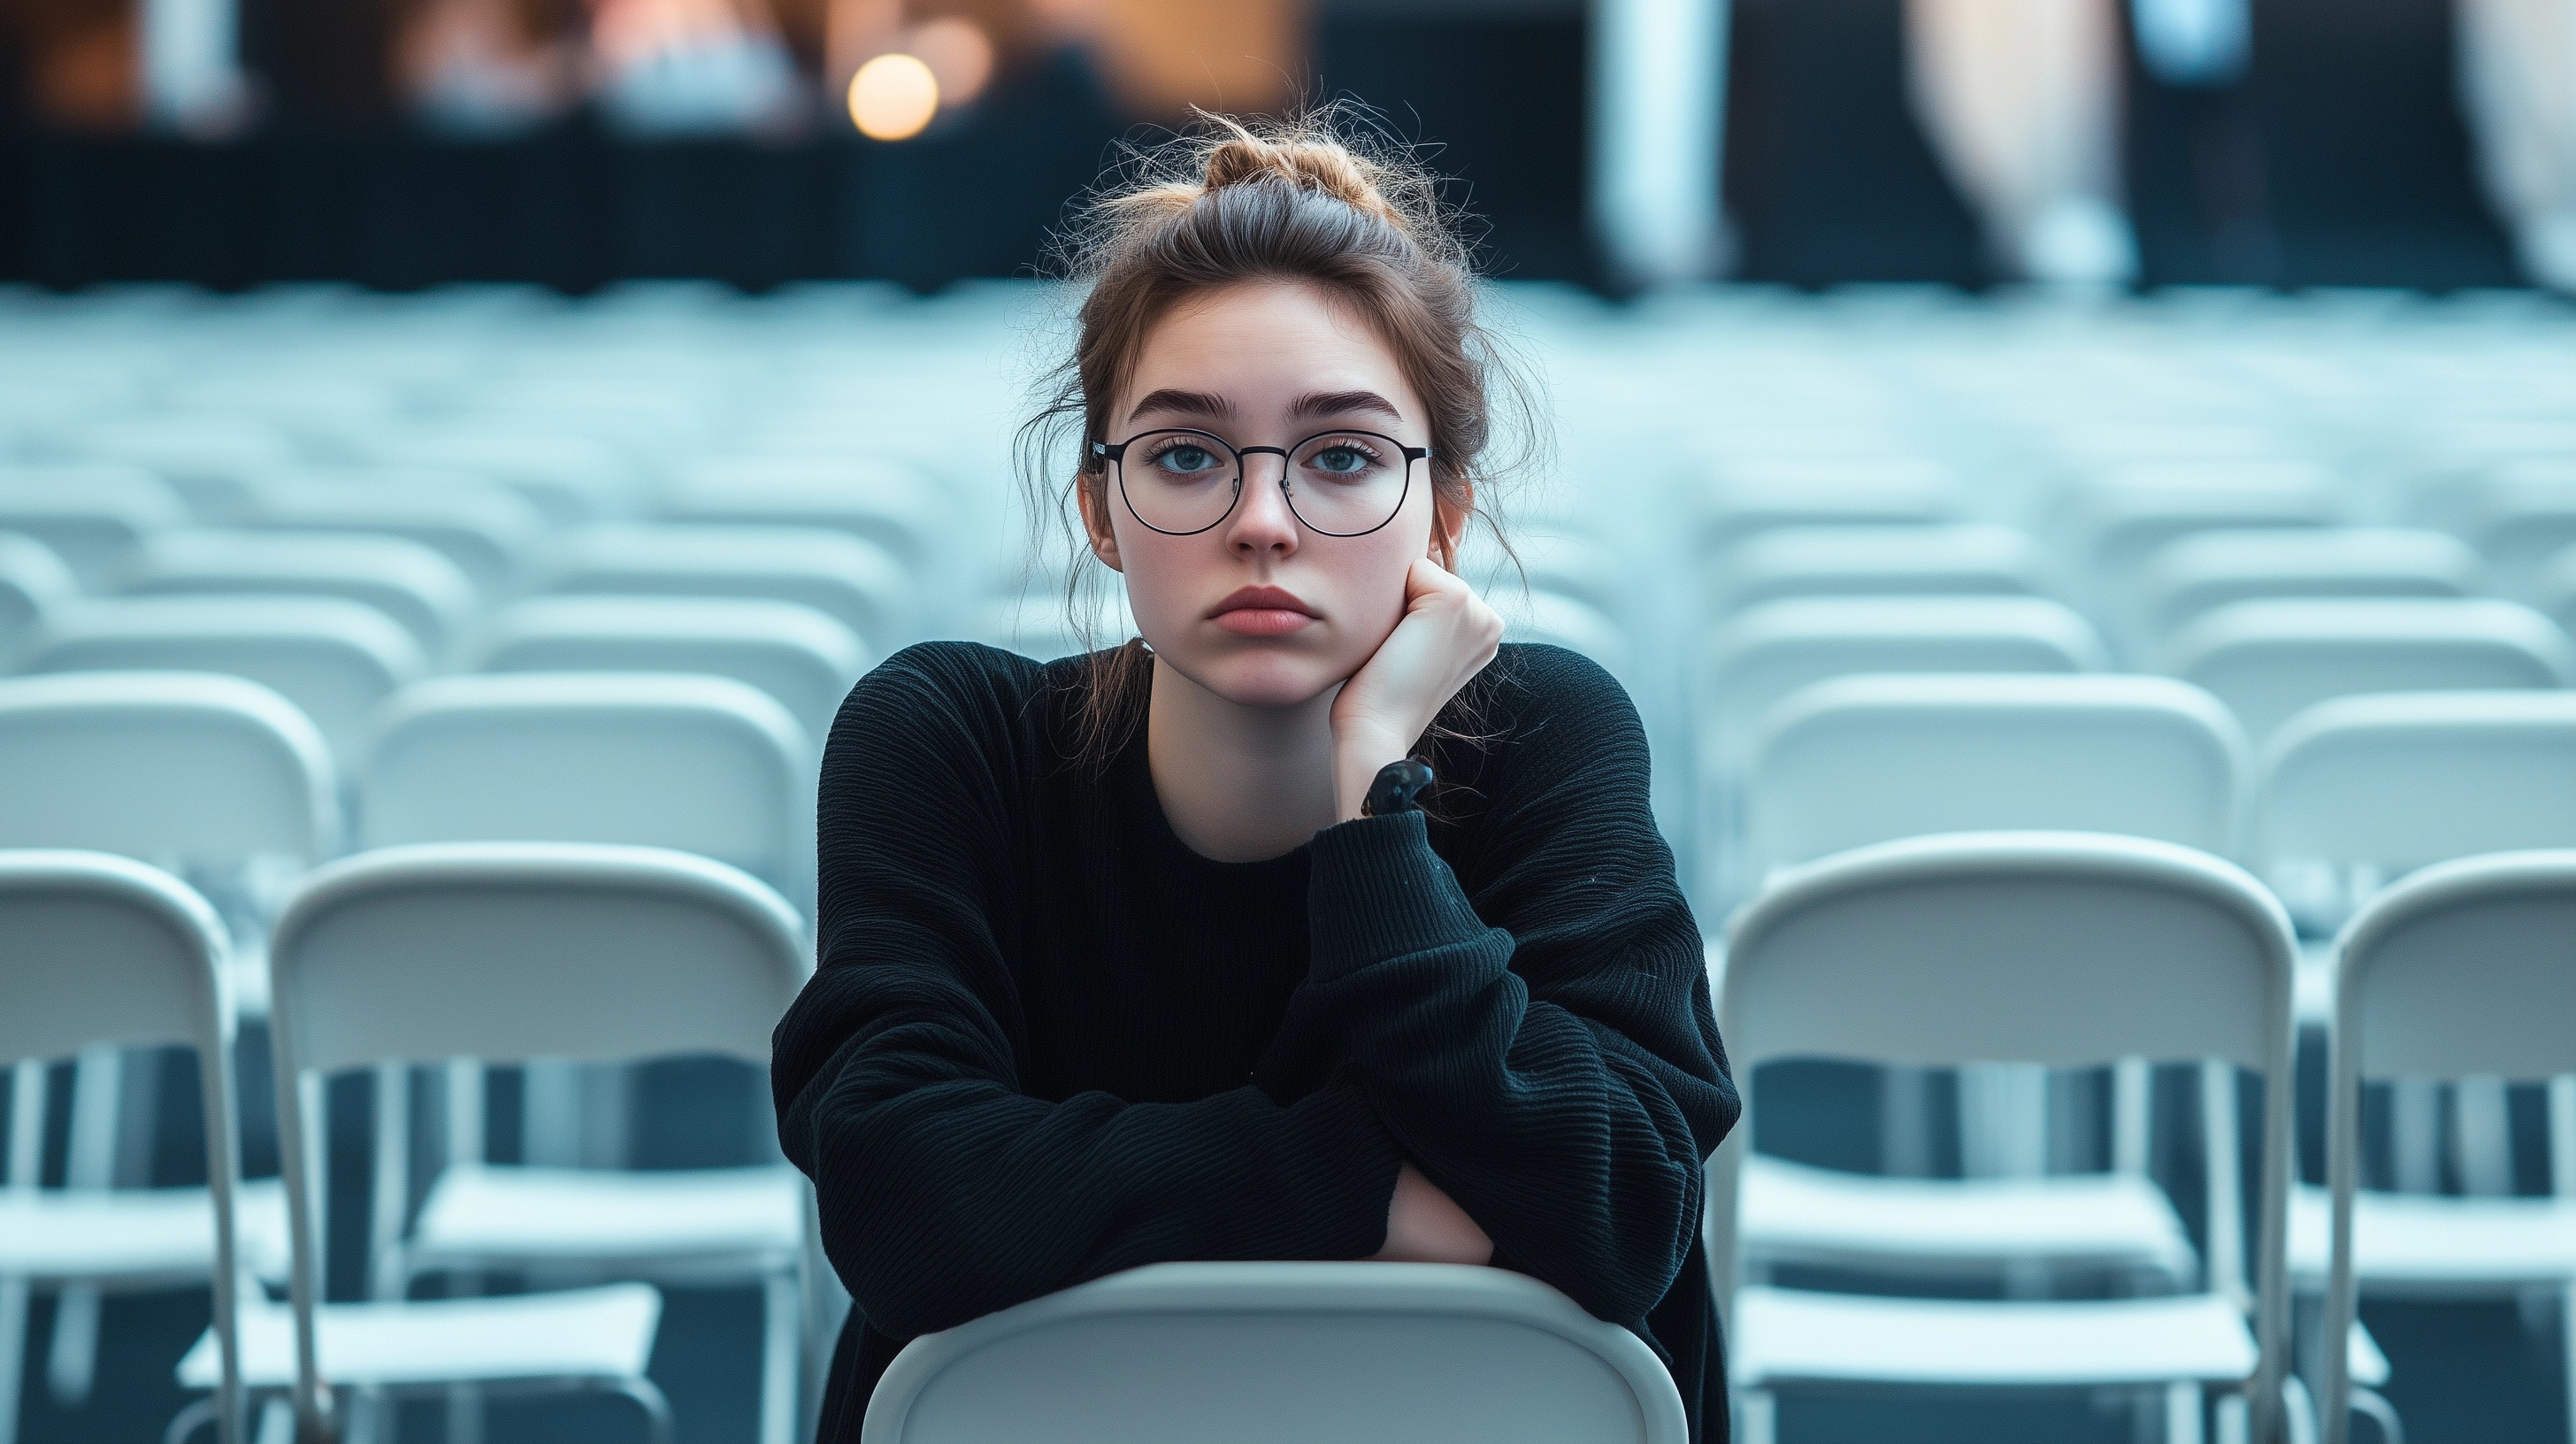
{"x": 1047, "y": 1041}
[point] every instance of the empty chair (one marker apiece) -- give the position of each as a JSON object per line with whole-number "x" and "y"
{"x": 414, "y": 585}
{"x": 800, "y": 657}
{"x": 857, "y": 583}
{"x": 880, "y": 500}
{"x": 1180, "y": 1353}
{"x": 33, "y": 582}
{"x": 1969, "y": 559}
{"x": 2066, "y": 949}
{"x": 336, "y": 660}
{"x": 2557, "y": 590}
{"x": 1756, "y": 496}
{"x": 492, "y": 534}
{"x": 2520, "y": 516}
{"x": 2461, "y": 971}
{"x": 1764, "y": 653}
{"x": 571, "y": 479}
{"x": 99, "y": 952}
{"x": 2270, "y": 660}
{"x": 2185, "y": 578}
{"x": 1862, "y": 760}
{"x": 93, "y": 517}
{"x": 497, "y": 954}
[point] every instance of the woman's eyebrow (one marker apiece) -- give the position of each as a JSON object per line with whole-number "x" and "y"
{"x": 1185, "y": 403}
{"x": 1342, "y": 403}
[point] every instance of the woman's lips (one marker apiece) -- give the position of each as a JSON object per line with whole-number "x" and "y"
{"x": 1262, "y": 621}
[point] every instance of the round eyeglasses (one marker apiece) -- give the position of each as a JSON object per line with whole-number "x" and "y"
{"x": 1338, "y": 483}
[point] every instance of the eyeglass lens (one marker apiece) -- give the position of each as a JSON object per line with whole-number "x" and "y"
{"x": 1339, "y": 483}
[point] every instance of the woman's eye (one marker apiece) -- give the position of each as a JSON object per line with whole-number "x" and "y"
{"x": 1186, "y": 459}
{"x": 1341, "y": 460}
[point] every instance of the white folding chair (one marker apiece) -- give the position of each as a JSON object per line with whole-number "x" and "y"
{"x": 499, "y": 953}
{"x": 336, "y": 660}
{"x": 2113, "y": 523}
{"x": 93, "y": 516}
{"x": 2059, "y": 948}
{"x": 2184, "y": 579}
{"x": 2520, "y": 516}
{"x": 874, "y": 498}
{"x": 1963, "y": 559}
{"x": 33, "y": 582}
{"x": 421, "y": 590}
{"x": 99, "y": 953}
{"x": 1283, "y": 1353}
{"x": 2460, "y": 971}
{"x": 573, "y": 480}
{"x": 804, "y": 659}
{"x": 491, "y": 533}
{"x": 2557, "y": 590}
{"x": 856, "y": 583}
{"x": 1862, "y": 760}
{"x": 2270, "y": 660}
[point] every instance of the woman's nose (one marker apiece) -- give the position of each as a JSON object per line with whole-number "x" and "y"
{"x": 1262, "y": 521}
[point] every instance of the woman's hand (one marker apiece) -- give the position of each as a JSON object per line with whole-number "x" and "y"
{"x": 1446, "y": 636}
{"x": 1424, "y": 1225}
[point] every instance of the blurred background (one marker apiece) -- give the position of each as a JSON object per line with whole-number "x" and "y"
{"x": 401, "y": 143}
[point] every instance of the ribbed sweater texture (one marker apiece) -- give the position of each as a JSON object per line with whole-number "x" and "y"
{"x": 1046, "y": 1041}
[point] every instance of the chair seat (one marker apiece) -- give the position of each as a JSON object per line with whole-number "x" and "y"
{"x": 133, "y": 1235}
{"x": 2436, "y": 1245}
{"x": 487, "y": 1214}
{"x": 602, "y": 1333}
{"x": 1785, "y": 1337}
{"x": 1797, "y": 1214}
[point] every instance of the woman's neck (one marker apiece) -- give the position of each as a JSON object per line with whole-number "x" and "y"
{"x": 1238, "y": 783}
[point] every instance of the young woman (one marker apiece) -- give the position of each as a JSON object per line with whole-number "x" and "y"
{"x": 1169, "y": 952}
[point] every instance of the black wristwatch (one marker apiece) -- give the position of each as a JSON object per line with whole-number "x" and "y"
{"x": 1398, "y": 788}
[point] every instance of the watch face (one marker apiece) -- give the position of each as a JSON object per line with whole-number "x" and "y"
{"x": 1398, "y": 787}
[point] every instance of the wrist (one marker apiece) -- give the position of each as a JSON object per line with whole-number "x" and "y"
{"x": 1358, "y": 754}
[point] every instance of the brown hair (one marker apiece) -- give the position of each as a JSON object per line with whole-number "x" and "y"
{"x": 1323, "y": 198}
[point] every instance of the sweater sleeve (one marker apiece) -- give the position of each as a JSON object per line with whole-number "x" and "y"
{"x": 1542, "y": 1046}
{"x": 945, "y": 1192}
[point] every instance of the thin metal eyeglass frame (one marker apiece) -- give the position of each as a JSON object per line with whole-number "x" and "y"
{"x": 1115, "y": 454}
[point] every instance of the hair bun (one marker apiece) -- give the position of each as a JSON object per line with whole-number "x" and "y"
{"x": 1321, "y": 165}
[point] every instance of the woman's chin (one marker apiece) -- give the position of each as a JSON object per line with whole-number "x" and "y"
{"x": 1267, "y": 678}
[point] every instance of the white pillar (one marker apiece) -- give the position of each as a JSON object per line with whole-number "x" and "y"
{"x": 191, "y": 65}
{"x": 1658, "y": 111}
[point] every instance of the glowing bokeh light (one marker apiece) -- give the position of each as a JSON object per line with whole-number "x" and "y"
{"x": 893, "y": 97}
{"x": 958, "y": 53}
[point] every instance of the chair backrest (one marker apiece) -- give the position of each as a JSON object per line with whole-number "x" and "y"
{"x": 420, "y": 589}
{"x": 857, "y": 583}
{"x": 205, "y": 459}
{"x": 170, "y": 767}
{"x": 2065, "y": 949}
{"x": 1569, "y": 622}
{"x": 573, "y": 480}
{"x": 2199, "y": 573}
{"x": 92, "y": 515}
{"x": 507, "y": 952}
{"x": 336, "y": 660}
{"x": 1964, "y": 559}
{"x": 2116, "y": 521}
{"x": 1767, "y": 652}
{"x": 2557, "y": 589}
{"x": 804, "y": 659}
{"x": 1859, "y": 760}
{"x": 492, "y": 534}
{"x": 1181, "y": 1353}
{"x": 2404, "y": 780}
{"x": 2464, "y": 969}
{"x": 699, "y": 764}
{"x": 2270, "y": 660}
{"x": 100, "y": 950}
{"x": 33, "y": 581}
{"x": 2521, "y": 516}
{"x": 1748, "y": 497}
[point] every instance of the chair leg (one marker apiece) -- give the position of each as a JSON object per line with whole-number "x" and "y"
{"x": 2372, "y": 1405}
{"x": 2567, "y": 1344}
{"x": 464, "y": 1414}
{"x": 782, "y": 1300}
{"x": 2182, "y": 1414}
{"x": 2234, "y": 1424}
{"x": 1757, "y": 1418}
{"x": 18, "y": 1171}
{"x": 14, "y": 1300}
{"x": 2298, "y": 1411}
{"x": 188, "y": 1421}
{"x": 71, "y": 1363}
{"x": 657, "y": 1410}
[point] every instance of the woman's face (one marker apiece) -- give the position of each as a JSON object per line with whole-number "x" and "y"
{"x": 1260, "y": 608}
